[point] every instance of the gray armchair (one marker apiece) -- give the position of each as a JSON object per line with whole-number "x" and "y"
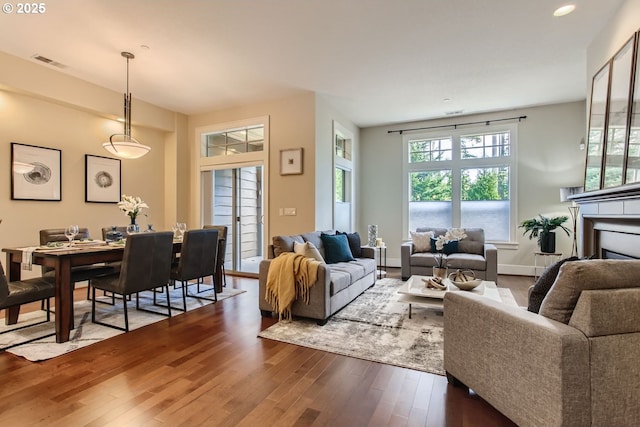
{"x": 574, "y": 364}
{"x": 473, "y": 254}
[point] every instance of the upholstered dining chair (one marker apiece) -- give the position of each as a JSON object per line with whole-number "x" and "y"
{"x": 19, "y": 292}
{"x": 197, "y": 260}
{"x": 220, "y": 278}
{"x": 80, "y": 273}
{"x": 146, "y": 264}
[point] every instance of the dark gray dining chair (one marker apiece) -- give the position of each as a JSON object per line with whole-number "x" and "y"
{"x": 197, "y": 260}
{"x": 79, "y": 273}
{"x": 220, "y": 278}
{"x": 19, "y": 292}
{"x": 146, "y": 264}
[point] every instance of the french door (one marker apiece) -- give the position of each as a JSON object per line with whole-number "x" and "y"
{"x": 233, "y": 197}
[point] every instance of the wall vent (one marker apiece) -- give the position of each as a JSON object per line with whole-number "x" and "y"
{"x": 48, "y": 61}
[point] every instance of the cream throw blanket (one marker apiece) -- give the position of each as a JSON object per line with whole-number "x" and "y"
{"x": 290, "y": 277}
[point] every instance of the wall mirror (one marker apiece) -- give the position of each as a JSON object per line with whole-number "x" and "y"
{"x": 633, "y": 151}
{"x": 597, "y": 114}
{"x": 617, "y": 115}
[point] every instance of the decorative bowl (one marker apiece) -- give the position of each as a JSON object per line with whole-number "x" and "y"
{"x": 467, "y": 285}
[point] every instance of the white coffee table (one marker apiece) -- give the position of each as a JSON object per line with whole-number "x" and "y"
{"x": 414, "y": 291}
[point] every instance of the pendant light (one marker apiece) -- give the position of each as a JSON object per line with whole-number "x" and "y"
{"x": 123, "y": 145}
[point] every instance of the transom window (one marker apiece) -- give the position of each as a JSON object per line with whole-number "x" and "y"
{"x": 461, "y": 179}
{"x": 235, "y": 141}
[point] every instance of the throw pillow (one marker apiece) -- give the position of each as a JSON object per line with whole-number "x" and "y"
{"x": 421, "y": 240}
{"x": 448, "y": 248}
{"x": 336, "y": 248}
{"x": 355, "y": 244}
{"x": 308, "y": 250}
{"x": 544, "y": 283}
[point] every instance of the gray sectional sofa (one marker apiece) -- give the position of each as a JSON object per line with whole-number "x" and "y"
{"x": 473, "y": 254}
{"x": 337, "y": 285}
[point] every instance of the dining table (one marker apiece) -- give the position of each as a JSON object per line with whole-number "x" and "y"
{"x": 62, "y": 260}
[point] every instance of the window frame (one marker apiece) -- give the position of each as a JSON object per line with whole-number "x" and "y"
{"x": 457, "y": 164}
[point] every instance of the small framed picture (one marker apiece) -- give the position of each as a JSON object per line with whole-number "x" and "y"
{"x": 35, "y": 173}
{"x": 102, "y": 179}
{"x": 291, "y": 161}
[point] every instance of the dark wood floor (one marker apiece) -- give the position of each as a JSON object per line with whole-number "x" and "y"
{"x": 207, "y": 367}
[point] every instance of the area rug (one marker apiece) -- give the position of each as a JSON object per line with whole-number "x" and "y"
{"x": 376, "y": 327}
{"x": 86, "y": 332}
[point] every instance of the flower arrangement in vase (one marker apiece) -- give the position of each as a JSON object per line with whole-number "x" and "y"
{"x": 452, "y": 235}
{"x": 132, "y": 206}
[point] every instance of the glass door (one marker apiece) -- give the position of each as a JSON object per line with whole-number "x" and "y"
{"x": 233, "y": 198}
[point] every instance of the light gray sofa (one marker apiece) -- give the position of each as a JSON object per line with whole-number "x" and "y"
{"x": 574, "y": 364}
{"x": 337, "y": 284}
{"x": 474, "y": 254}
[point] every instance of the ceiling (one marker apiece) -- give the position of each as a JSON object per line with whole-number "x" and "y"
{"x": 375, "y": 61}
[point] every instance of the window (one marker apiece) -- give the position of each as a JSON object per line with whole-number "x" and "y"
{"x": 343, "y": 185}
{"x": 230, "y": 142}
{"x": 461, "y": 179}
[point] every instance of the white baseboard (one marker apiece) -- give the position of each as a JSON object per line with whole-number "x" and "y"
{"x": 508, "y": 269}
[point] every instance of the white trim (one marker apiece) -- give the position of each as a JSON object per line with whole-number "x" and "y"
{"x": 258, "y": 158}
{"x": 457, "y": 163}
{"x": 348, "y": 165}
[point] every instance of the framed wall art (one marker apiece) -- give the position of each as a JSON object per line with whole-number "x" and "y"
{"x": 291, "y": 161}
{"x": 35, "y": 173}
{"x": 102, "y": 176}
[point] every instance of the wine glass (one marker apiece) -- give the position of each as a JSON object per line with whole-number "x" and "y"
{"x": 182, "y": 227}
{"x": 71, "y": 231}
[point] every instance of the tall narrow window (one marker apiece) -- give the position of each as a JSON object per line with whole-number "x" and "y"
{"x": 343, "y": 207}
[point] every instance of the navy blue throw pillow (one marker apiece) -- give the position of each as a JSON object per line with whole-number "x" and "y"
{"x": 336, "y": 248}
{"x": 448, "y": 248}
{"x": 355, "y": 244}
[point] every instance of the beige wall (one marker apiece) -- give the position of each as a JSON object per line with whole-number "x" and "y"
{"x": 301, "y": 121}
{"x": 618, "y": 30}
{"x": 291, "y": 125}
{"x": 325, "y": 116}
{"x": 42, "y": 107}
{"x": 548, "y": 158}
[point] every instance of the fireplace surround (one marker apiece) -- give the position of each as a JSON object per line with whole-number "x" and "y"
{"x": 610, "y": 222}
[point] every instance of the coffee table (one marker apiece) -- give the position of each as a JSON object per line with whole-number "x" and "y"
{"x": 414, "y": 291}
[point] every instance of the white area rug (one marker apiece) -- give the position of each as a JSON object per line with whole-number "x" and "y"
{"x": 86, "y": 332}
{"x": 376, "y": 327}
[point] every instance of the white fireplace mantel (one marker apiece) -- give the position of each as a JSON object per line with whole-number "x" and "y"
{"x": 610, "y": 221}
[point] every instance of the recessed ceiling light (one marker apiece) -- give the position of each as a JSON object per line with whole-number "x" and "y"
{"x": 564, "y": 10}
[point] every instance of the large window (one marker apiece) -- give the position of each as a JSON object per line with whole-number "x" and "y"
{"x": 461, "y": 179}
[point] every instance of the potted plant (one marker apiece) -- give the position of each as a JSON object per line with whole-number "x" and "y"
{"x": 542, "y": 228}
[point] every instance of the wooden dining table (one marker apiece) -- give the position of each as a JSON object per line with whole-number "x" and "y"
{"x": 62, "y": 260}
